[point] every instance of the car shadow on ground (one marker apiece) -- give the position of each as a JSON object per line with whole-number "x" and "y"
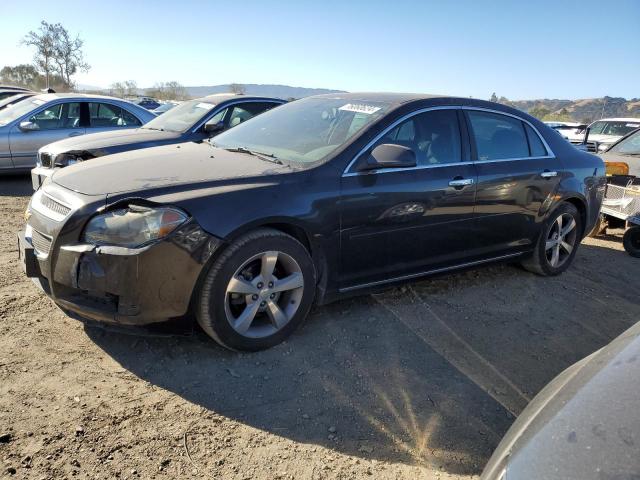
{"x": 431, "y": 373}
{"x": 16, "y": 185}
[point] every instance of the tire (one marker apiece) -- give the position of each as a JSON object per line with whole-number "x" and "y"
{"x": 236, "y": 307}
{"x": 631, "y": 241}
{"x": 541, "y": 261}
{"x": 600, "y": 227}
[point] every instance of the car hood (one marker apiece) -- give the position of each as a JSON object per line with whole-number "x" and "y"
{"x": 632, "y": 161}
{"x": 110, "y": 138}
{"x": 156, "y": 167}
{"x": 584, "y": 425}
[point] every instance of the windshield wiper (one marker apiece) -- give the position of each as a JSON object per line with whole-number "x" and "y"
{"x": 152, "y": 128}
{"x": 268, "y": 157}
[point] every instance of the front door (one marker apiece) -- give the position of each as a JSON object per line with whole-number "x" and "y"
{"x": 55, "y": 122}
{"x": 517, "y": 177}
{"x": 402, "y": 222}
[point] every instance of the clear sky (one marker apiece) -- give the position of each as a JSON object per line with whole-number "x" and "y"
{"x": 520, "y": 49}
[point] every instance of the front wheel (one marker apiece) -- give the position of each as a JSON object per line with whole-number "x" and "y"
{"x": 257, "y": 292}
{"x": 558, "y": 242}
{"x": 631, "y": 241}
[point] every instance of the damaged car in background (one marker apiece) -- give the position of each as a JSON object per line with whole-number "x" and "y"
{"x": 312, "y": 201}
{"x": 193, "y": 120}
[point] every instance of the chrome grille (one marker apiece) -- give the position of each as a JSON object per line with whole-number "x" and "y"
{"x": 40, "y": 242}
{"x": 45, "y": 159}
{"x": 56, "y": 207}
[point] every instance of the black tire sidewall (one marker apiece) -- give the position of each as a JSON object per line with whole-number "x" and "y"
{"x": 212, "y": 312}
{"x": 630, "y": 235}
{"x": 541, "y": 252}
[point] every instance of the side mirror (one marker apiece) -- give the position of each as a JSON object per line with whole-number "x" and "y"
{"x": 28, "y": 126}
{"x": 390, "y": 155}
{"x": 214, "y": 127}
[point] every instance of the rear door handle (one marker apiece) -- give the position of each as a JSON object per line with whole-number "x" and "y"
{"x": 461, "y": 182}
{"x": 548, "y": 174}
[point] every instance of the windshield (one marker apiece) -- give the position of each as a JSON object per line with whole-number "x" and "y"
{"x": 618, "y": 128}
{"x": 629, "y": 146}
{"x": 304, "y": 131}
{"x": 182, "y": 117}
{"x": 8, "y": 115}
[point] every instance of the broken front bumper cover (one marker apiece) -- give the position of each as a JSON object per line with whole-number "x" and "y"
{"x": 129, "y": 286}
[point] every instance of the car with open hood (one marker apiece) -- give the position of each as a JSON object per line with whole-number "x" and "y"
{"x": 320, "y": 198}
{"x": 193, "y": 120}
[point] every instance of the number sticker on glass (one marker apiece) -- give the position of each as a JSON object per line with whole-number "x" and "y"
{"x": 359, "y": 108}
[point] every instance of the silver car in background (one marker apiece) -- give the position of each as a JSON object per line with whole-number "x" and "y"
{"x": 42, "y": 119}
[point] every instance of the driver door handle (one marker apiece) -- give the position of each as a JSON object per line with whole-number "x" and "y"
{"x": 461, "y": 182}
{"x": 548, "y": 174}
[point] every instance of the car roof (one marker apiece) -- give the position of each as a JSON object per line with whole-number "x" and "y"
{"x": 618, "y": 119}
{"x": 218, "y": 98}
{"x": 54, "y": 96}
{"x": 396, "y": 100}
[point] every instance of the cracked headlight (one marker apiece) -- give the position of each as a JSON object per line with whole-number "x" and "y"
{"x": 134, "y": 226}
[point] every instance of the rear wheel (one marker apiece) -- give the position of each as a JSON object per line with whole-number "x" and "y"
{"x": 257, "y": 292}
{"x": 558, "y": 243}
{"x": 631, "y": 241}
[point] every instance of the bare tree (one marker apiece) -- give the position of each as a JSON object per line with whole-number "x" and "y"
{"x": 56, "y": 51}
{"x": 68, "y": 54}
{"x": 131, "y": 88}
{"x": 118, "y": 89}
{"x": 168, "y": 91}
{"x": 237, "y": 88}
{"x": 44, "y": 40}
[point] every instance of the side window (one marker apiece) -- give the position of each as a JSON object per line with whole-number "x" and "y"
{"x": 434, "y": 137}
{"x": 60, "y": 116}
{"x": 103, "y": 115}
{"x": 218, "y": 117}
{"x": 129, "y": 119}
{"x": 498, "y": 136}
{"x": 242, "y": 113}
{"x": 536, "y": 147}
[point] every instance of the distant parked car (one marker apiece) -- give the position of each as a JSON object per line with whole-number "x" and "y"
{"x": 626, "y": 150}
{"x": 42, "y": 119}
{"x": 584, "y": 425}
{"x": 193, "y": 120}
{"x": 601, "y": 134}
{"x": 148, "y": 103}
{"x": 13, "y": 99}
{"x": 572, "y": 131}
{"x": 165, "y": 107}
{"x": 6, "y": 92}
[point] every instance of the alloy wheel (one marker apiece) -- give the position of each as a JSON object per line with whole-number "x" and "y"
{"x": 561, "y": 240}
{"x": 264, "y": 294}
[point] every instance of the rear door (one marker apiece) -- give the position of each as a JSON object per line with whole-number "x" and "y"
{"x": 407, "y": 221}
{"x": 517, "y": 177}
{"x": 55, "y": 122}
{"x": 105, "y": 116}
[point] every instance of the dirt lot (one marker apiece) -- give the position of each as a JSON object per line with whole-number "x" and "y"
{"x": 416, "y": 382}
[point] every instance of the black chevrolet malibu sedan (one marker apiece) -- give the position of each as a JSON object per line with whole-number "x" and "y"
{"x": 322, "y": 197}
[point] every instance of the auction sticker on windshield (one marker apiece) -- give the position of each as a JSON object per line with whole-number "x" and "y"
{"x": 359, "y": 108}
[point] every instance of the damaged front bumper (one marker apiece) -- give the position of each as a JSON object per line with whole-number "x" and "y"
{"x": 130, "y": 286}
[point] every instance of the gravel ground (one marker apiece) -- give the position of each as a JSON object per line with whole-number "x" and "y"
{"x": 419, "y": 381}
